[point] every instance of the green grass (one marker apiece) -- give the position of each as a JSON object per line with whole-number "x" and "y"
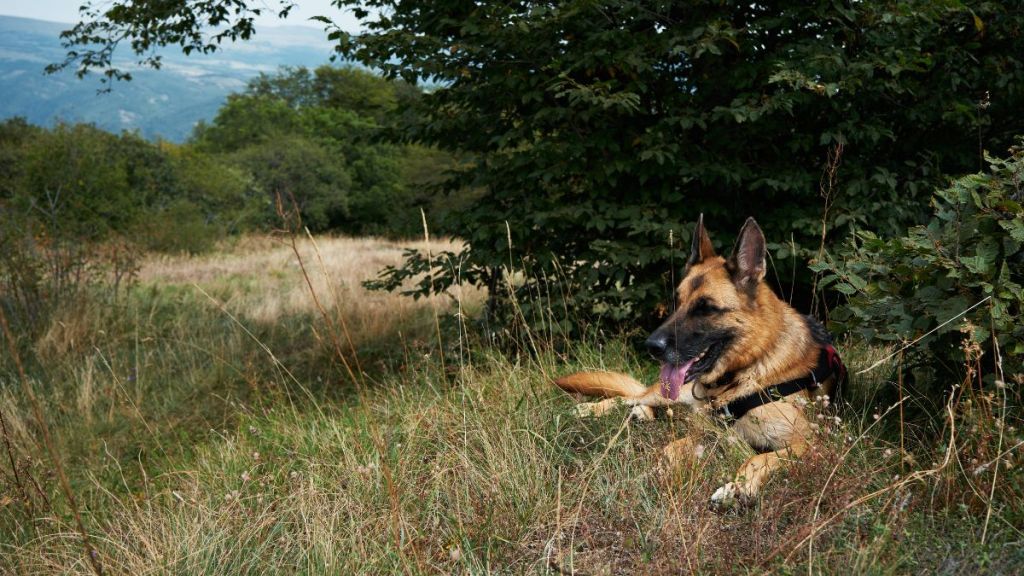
{"x": 191, "y": 451}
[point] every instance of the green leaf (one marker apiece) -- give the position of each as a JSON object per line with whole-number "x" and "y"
{"x": 845, "y": 288}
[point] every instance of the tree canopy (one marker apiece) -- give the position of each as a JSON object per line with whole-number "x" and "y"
{"x": 320, "y": 137}
{"x": 593, "y": 129}
{"x": 600, "y": 126}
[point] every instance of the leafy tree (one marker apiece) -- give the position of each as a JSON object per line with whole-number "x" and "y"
{"x": 598, "y": 127}
{"x": 592, "y": 129}
{"x": 223, "y": 193}
{"x": 196, "y": 26}
{"x": 246, "y": 119}
{"x": 77, "y": 184}
{"x": 296, "y": 168}
{"x": 342, "y": 116}
{"x": 150, "y": 174}
{"x": 14, "y": 134}
{"x": 356, "y": 90}
{"x": 292, "y": 84}
{"x": 278, "y": 135}
{"x": 340, "y": 88}
{"x": 208, "y": 199}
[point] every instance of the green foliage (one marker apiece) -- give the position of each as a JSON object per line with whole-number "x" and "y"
{"x": 179, "y": 227}
{"x": 78, "y": 184}
{"x": 196, "y": 26}
{"x": 245, "y": 120}
{"x": 297, "y": 169}
{"x": 596, "y": 128}
{"x": 15, "y": 133}
{"x": 223, "y": 195}
{"x": 970, "y": 252}
{"x": 590, "y": 133}
{"x": 358, "y": 91}
{"x": 321, "y": 136}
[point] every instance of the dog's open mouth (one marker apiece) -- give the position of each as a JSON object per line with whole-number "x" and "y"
{"x": 674, "y": 376}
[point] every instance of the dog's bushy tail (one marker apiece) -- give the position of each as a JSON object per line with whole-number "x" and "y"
{"x": 606, "y": 384}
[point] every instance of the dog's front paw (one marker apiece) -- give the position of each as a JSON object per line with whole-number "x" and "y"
{"x": 725, "y": 496}
{"x": 642, "y": 413}
{"x": 591, "y": 409}
{"x": 730, "y": 495}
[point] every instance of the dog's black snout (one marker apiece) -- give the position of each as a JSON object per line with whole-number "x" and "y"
{"x": 657, "y": 343}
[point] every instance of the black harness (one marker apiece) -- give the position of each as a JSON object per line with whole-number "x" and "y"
{"x": 829, "y": 365}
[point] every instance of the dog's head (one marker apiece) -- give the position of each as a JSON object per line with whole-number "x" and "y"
{"x": 719, "y": 319}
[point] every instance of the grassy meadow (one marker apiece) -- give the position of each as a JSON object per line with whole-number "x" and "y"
{"x": 254, "y": 411}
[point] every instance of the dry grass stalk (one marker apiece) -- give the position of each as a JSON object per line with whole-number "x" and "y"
{"x": 91, "y": 553}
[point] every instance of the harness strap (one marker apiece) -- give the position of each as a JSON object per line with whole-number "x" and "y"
{"x": 829, "y": 364}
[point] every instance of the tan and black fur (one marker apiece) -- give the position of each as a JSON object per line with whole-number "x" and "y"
{"x": 728, "y": 319}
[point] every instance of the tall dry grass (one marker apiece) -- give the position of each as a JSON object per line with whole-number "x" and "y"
{"x": 185, "y": 353}
{"x": 480, "y": 466}
{"x": 494, "y": 474}
{"x": 259, "y": 278}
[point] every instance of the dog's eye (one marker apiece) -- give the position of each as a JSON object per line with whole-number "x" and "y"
{"x": 704, "y": 307}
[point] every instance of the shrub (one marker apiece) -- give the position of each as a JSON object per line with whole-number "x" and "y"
{"x": 595, "y": 128}
{"x": 299, "y": 168}
{"x": 69, "y": 197}
{"x": 592, "y": 129}
{"x": 971, "y": 253}
{"x": 179, "y": 227}
{"x": 321, "y": 136}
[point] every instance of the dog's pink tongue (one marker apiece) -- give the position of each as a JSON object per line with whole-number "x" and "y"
{"x": 673, "y": 378}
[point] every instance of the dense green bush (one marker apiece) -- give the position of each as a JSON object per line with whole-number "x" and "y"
{"x": 67, "y": 197}
{"x": 298, "y": 169}
{"x": 221, "y": 195}
{"x": 320, "y": 137}
{"x": 595, "y": 128}
{"x": 591, "y": 129}
{"x": 80, "y": 184}
{"x": 972, "y": 249}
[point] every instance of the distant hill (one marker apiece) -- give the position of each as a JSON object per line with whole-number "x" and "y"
{"x": 163, "y": 103}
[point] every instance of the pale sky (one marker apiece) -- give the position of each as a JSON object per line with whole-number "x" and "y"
{"x": 67, "y": 11}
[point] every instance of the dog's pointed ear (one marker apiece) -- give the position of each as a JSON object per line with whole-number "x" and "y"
{"x": 701, "y": 249}
{"x": 748, "y": 257}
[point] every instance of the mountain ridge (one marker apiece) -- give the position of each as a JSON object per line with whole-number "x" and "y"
{"x": 164, "y": 103}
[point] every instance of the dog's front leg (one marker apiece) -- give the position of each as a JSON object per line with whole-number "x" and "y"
{"x": 594, "y": 409}
{"x": 642, "y": 405}
{"x": 752, "y": 474}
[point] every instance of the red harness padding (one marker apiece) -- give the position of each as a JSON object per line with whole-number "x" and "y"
{"x": 837, "y": 366}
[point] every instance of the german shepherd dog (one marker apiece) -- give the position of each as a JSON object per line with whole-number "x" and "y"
{"x": 734, "y": 349}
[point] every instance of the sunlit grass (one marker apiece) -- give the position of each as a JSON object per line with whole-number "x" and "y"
{"x": 197, "y": 447}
